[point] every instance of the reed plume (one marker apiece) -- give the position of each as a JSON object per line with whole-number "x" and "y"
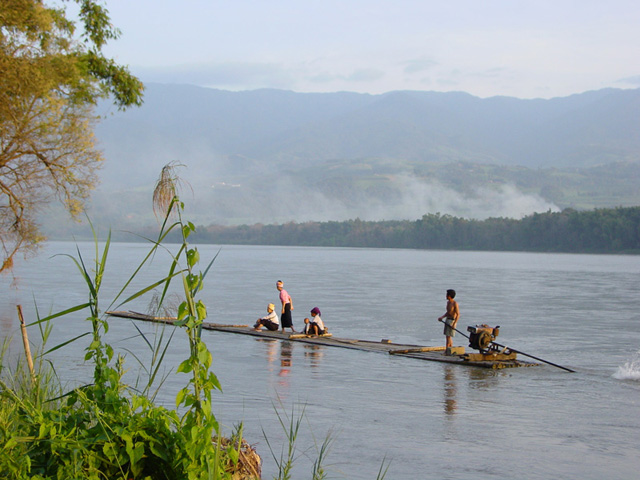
{"x": 166, "y": 190}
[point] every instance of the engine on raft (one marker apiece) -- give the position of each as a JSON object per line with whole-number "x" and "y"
{"x": 481, "y": 338}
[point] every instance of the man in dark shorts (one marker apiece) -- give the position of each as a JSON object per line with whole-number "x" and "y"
{"x": 451, "y": 317}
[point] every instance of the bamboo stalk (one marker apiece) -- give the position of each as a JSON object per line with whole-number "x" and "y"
{"x": 223, "y": 325}
{"x": 25, "y": 341}
{"x": 304, "y": 335}
{"x": 417, "y": 350}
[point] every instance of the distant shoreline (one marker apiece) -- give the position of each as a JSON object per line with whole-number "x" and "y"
{"x": 599, "y": 231}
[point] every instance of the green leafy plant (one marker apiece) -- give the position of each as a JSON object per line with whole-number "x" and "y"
{"x": 107, "y": 429}
{"x": 199, "y": 423}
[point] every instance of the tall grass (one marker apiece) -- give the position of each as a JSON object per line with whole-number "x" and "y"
{"x": 107, "y": 429}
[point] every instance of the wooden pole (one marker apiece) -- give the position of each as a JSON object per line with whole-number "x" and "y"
{"x": 535, "y": 358}
{"x": 417, "y": 350}
{"x": 25, "y": 341}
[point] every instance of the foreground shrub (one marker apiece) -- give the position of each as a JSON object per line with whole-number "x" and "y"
{"x": 106, "y": 430}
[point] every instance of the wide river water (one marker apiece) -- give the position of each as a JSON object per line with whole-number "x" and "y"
{"x": 421, "y": 419}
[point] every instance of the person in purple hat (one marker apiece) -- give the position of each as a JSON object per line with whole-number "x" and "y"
{"x": 316, "y": 325}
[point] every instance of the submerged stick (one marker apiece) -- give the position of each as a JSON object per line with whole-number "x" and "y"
{"x": 534, "y": 357}
{"x": 25, "y": 341}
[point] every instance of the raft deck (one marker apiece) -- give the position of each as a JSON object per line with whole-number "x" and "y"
{"x": 432, "y": 354}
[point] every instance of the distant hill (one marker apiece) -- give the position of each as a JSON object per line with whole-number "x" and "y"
{"x": 276, "y": 156}
{"x": 230, "y": 131}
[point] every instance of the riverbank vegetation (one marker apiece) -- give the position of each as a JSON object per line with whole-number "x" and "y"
{"x": 106, "y": 428}
{"x": 606, "y": 230}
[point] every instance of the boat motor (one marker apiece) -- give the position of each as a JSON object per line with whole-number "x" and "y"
{"x": 481, "y": 336}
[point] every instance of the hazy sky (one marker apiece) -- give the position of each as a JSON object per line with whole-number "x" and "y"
{"x": 520, "y": 48}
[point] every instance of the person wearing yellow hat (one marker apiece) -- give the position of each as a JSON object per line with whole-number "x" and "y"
{"x": 270, "y": 321}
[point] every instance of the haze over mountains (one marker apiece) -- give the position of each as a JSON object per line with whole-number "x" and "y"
{"x": 276, "y": 156}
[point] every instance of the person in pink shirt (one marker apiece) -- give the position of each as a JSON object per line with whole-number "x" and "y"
{"x": 287, "y": 305}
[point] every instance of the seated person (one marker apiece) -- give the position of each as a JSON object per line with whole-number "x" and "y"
{"x": 307, "y": 326}
{"x": 316, "y": 325}
{"x": 270, "y": 320}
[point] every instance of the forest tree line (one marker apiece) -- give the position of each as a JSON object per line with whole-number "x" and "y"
{"x": 606, "y": 230}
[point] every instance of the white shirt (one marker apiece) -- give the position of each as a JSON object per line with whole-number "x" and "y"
{"x": 272, "y": 317}
{"x": 318, "y": 321}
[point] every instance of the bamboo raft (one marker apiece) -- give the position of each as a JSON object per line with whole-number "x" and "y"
{"x": 433, "y": 354}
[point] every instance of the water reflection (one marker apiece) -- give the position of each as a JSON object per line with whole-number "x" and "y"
{"x": 286, "y": 350}
{"x": 450, "y": 390}
{"x": 6, "y": 324}
{"x": 314, "y": 353}
{"x": 484, "y": 378}
{"x": 279, "y": 357}
{"x": 9, "y": 331}
{"x": 272, "y": 350}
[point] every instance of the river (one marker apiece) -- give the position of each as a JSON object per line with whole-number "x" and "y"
{"x": 421, "y": 419}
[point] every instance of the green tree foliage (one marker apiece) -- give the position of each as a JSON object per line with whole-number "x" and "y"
{"x": 50, "y": 80}
{"x": 607, "y": 230}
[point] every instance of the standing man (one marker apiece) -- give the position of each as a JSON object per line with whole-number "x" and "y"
{"x": 287, "y": 306}
{"x": 451, "y": 317}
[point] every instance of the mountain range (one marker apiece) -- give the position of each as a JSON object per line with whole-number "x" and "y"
{"x": 274, "y": 127}
{"x": 276, "y": 156}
